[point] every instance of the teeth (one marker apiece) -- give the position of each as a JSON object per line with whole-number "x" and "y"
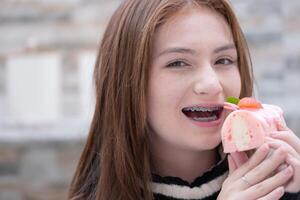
{"x": 205, "y": 119}
{"x": 203, "y": 109}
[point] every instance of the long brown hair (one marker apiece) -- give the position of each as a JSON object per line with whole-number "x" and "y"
{"x": 115, "y": 162}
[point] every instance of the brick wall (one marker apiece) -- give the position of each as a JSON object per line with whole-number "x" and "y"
{"x": 39, "y": 150}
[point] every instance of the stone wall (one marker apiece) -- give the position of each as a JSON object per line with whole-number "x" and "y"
{"x": 39, "y": 150}
{"x": 272, "y": 28}
{"x": 37, "y": 170}
{"x": 47, "y": 48}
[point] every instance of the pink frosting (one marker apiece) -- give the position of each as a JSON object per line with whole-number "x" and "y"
{"x": 255, "y": 123}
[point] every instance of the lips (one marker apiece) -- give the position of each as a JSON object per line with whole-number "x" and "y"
{"x": 202, "y": 113}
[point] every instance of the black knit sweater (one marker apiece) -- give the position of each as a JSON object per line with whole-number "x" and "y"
{"x": 205, "y": 187}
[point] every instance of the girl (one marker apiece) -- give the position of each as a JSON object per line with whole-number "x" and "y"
{"x": 158, "y": 60}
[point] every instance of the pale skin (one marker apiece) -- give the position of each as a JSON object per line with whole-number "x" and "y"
{"x": 194, "y": 62}
{"x": 191, "y": 65}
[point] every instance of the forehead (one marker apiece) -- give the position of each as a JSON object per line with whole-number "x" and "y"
{"x": 193, "y": 26}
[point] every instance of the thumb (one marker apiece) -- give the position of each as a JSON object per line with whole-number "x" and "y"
{"x": 239, "y": 158}
{"x": 235, "y": 160}
{"x": 231, "y": 164}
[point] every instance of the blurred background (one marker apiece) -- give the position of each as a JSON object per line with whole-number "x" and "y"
{"x": 47, "y": 53}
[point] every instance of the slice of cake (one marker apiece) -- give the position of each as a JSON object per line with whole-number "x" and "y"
{"x": 247, "y": 125}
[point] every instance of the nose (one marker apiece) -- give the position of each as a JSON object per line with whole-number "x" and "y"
{"x": 207, "y": 82}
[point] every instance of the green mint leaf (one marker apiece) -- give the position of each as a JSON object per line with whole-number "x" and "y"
{"x": 232, "y": 100}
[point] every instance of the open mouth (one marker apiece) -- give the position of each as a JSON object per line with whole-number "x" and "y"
{"x": 203, "y": 114}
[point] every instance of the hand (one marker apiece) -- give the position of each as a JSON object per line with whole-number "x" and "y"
{"x": 285, "y": 138}
{"x": 253, "y": 178}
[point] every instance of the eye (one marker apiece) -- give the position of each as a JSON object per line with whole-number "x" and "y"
{"x": 178, "y": 63}
{"x": 224, "y": 61}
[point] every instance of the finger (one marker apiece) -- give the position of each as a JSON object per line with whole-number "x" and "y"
{"x": 294, "y": 185}
{"x": 268, "y": 185}
{"x": 289, "y": 137}
{"x": 281, "y": 167}
{"x": 281, "y": 124}
{"x": 259, "y": 155}
{"x": 293, "y": 161}
{"x": 265, "y": 168}
{"x": 239, "y": 158}
{"x": 274, "y": 195}
{"x": 231, "y": 164}
{"x": 276, "y": 143}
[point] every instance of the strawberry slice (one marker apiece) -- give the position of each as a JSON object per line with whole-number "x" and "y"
{"x": 248, "y": 102}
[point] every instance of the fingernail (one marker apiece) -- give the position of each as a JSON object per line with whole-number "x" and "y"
{"x": 278, "y": 120}
{"x": 282, "y": 167}
{"x": 280, "y": 191}
{"x": 266, "y": 148}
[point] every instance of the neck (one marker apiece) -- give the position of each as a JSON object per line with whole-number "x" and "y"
{"x": 184, "y": 164}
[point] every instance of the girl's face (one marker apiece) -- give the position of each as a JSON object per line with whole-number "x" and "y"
{"x": 194, "y": 66}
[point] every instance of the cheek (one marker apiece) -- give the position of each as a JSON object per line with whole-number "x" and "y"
{"x": 163, "y": 95}
{"x": 163, "y": 103}
{"x": 166, "y": 88}
{"x": 231, "y": 82}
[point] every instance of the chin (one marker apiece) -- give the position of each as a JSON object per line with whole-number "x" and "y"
{"x": 206, "y": 145}
{"x": 210, "y": 143}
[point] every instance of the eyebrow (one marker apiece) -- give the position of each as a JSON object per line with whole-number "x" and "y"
{"x": 225, "y": 47}
{"x": 193, "y": 52}
{"x": 177, "y": 50}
